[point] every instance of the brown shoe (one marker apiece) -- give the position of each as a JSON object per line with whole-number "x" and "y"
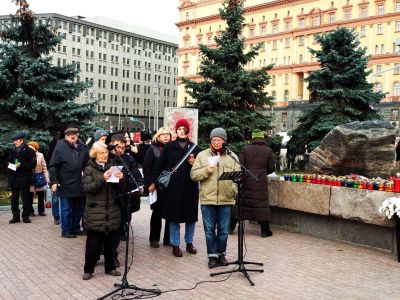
{"x": 176, "y": 251}
{"x": 114, "y": 273}
{"x": 191, "y": 249}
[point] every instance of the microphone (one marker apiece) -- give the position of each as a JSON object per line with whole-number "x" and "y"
{"x": 111, "y": 147}
{"x": 226, "y": 146}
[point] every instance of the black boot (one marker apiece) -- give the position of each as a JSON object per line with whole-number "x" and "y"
{"x": 265, "y": 231}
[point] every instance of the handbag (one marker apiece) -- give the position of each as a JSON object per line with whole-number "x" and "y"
{"x": 165, "y": 176}
{"x": 39, "y": 180}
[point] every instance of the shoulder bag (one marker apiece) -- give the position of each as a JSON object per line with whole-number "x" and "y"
{"x": 165, "y": 177}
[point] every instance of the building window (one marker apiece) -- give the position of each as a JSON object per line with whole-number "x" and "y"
{"x": 287, "y": 42}
{"x": 300, "y": 58}
{"x": 382, "y": 49}
{"x": 286, "y": 95}
{"x": 380, "y": 28}
{"x": 396, "y": 89}
{"x": 275, "y": 28}
{"x": 288, "y": 26}
{"x": 396, "y": 69}
{"x": 363, "y": 12}
{"x": 273, "y": 80}
{"x": 378, "y": 87}
{"x": 274, "y": 45}
{"x": 274, "y": 94}
{"x": 378, "y": 70}
{"x": 286, "y": 78}
{"x": 301, "y": 40}
{"x": 284, "y": 117}
{"x": 397, "y": 26}
{"x": 381, "y": 9}
{"x": 302, "y": 23}
{"x": 317, "y": 21}
{"x": 263, "y": 30}
{"x": 347, "y": 15}
{"x": 187, "y": 16}
{"x": 331, "y": 18}
{"x": 363, "y": 31}
{"x": 397, "y": 6}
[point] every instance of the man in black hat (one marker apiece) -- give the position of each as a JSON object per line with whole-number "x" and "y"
{"x": 21, "y": 162}
{"x": 66, "y": 166}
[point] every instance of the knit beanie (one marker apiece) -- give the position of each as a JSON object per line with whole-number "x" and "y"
{"x": 219, "y": 132}
{"x": 182, "y": 123}
{"x": 257, "y": 133}
{"x": 99, "y": 133}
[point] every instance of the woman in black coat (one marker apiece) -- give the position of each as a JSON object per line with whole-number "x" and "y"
{"x": 160, "y": 139}
{"x": 102, "y": 215}
{"x": 182, "y": 195}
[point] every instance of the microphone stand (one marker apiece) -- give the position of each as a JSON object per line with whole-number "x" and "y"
{"x": 240, "y": 261}
{"x": 124, "y": 285}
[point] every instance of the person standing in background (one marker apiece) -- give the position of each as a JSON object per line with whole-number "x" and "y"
{"x": 21, "y": 162}
{"x": 41, "y": 167}
{"x": 258, "y": 158}
{"x": 160, "y": 139}
{"x": 66, "y": 166}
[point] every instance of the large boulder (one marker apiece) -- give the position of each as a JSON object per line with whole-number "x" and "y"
{"x": 366, "y": 148}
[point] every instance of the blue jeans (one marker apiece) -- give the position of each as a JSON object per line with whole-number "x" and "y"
{"x": 55, "y": 206}
{"x": 216, "y": 221}
{"x": 71, "y": 212}
{"x": 174, "y": 233}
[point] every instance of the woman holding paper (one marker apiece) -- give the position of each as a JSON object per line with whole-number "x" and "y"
{"x": 102, "y": 215}
{"x": 182, "y": 195}
{"x": 216, "y": 196}
{"x": 160, "y": 139}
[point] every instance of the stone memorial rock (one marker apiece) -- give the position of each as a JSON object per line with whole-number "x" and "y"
{"x": 365, "y": 148}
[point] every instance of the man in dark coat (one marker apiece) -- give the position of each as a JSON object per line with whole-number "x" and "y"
{"x": 21, "y": 162}
{"x": 259, "y": 159}
{"x": 66, "y": 166}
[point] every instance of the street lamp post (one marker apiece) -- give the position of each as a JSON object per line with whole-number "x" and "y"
{"x": 157, "y": 91}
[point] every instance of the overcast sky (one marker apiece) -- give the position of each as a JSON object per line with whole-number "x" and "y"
{"x": 158, "y": 15}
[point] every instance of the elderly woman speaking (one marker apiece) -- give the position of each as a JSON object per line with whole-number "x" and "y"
{"x": 102, "y": 215}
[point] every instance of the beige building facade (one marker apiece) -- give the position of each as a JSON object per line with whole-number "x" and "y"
{"x": 286, "y": 29}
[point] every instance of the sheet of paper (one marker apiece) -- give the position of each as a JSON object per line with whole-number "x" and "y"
{"x": 114, "y": 170}
{"x": 153, "y": 197}
{"x": 135, "y": 190}
{"x": 213, "y": 160}
{"x": 12, "y": 167}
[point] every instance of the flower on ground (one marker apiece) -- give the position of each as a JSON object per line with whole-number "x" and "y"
{"x": 390, "y": 207}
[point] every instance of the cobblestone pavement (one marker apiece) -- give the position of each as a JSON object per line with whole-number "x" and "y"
{"x": 36, "y": 263}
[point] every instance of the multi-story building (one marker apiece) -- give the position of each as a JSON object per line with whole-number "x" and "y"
{"x": 133, "y": 70}
{"x": 286, "y": 28}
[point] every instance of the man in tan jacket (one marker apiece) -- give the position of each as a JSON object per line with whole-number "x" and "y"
{"x": 216, "y": 196}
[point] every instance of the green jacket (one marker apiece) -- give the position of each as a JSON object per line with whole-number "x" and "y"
{"x": 212, "y": 190}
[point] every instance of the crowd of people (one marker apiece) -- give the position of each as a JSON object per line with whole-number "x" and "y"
{"x": 97, "y": 186}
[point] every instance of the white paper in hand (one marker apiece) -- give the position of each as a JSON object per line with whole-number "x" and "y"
{"x": 213, "y": 160}
{"x": 153, "y": 197}
{"x": 12, "y": 167}
{"x": 114, "y": 170}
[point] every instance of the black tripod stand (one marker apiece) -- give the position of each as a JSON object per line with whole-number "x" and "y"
{"x": 124, "y": 285}
{"x": 238, "y": 178}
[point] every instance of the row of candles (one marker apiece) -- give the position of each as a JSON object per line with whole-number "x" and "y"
{"x": 349, "y": 181}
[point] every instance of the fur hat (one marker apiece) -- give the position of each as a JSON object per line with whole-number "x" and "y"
{"x": 98, "y": 134}
{"x": 219, "y": 132}
{"x": 257, "y": 134}
{"x": 182, "y": 123}
{"x": 71, "y": 130}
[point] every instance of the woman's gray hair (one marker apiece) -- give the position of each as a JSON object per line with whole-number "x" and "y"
{"x": 96, "y": 148}
{"x": 160, "y": 132}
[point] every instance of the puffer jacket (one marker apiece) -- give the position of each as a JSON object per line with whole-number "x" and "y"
{"x": 212, "y": 190}
{"x": 102, "y": 212}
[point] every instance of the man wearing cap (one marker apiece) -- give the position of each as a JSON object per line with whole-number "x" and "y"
{"x": 21, "y": 162}
{"x": 216, "y": 196}
{"x": 66, "y": 166}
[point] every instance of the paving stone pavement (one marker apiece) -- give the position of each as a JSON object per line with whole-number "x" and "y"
{"x": 36, "y": 263}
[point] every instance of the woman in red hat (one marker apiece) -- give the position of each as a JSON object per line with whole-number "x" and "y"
{"x": 182, "y": 196}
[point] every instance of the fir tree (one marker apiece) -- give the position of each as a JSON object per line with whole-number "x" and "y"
{"x": 229, "y": 96}
{"x": 339, "y": 87}
{"x": 35, "y": 95}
